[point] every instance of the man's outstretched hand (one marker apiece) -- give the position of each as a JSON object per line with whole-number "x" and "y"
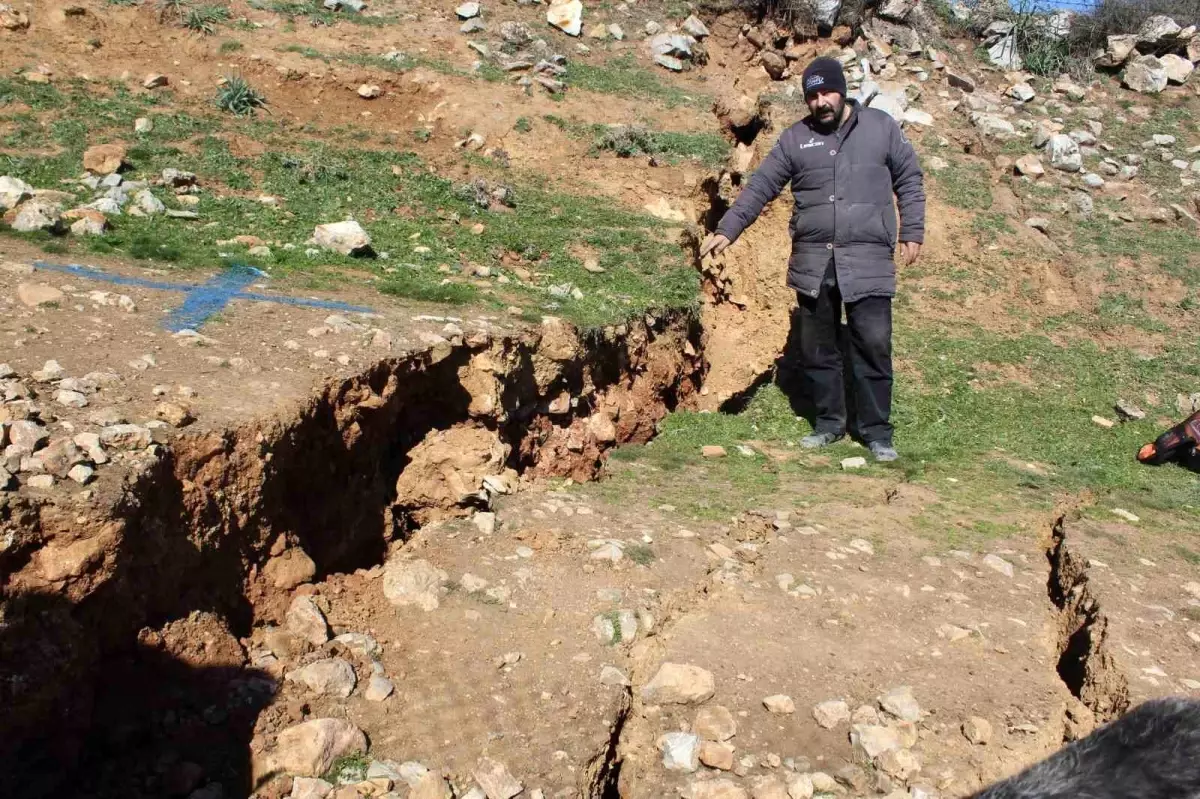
{"x": 911, "y": 250}
{"x": 713, "y": 245}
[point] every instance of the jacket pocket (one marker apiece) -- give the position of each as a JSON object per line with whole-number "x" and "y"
{"x": 865, "y": 225}
{"x": 888, "y": 217}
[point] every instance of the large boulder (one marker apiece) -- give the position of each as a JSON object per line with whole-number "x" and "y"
{"x": 896, "y": 10}
{"x": 445, "y": 471}
{"x": 993, "y": 125}
{"x": 1178, "y": 68}
{"x": 1003, "y": 53}
{"x": 567, "y": 16}
{"x": 311, "y": 748}
{"x": 347, "y": 238}
{"x": 1118, "y": 50}
{"x": 413, "y": 583}
{"x": 11, "y": 19}
{"x": 104, "y": 159}
{"x": 34, "y": 215}
{"x": 1158, "y": 29}
{"x": 1146, "y": 74}
{"x": 826, "y": 12}
{"x": 679, "y": 684}
{"x": 13, "y": 192}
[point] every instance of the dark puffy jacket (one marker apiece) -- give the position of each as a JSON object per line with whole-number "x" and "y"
{"x": 843, "y": 184}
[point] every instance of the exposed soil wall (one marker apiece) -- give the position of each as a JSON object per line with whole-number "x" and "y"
{"x": 226, "y": 522}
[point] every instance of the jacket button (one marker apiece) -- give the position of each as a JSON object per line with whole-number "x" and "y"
{"x": 833, "y": 152}
{"x": 831, "y": 198}
{"x": 829, "y": 246}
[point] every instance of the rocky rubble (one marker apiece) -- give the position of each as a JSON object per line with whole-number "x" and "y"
{"x": 37, "y": 447}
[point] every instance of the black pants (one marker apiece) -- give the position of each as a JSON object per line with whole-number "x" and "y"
{"x": 869, "y": 325}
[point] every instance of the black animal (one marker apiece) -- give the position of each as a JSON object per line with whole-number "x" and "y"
{"x": 1152, "y": 752}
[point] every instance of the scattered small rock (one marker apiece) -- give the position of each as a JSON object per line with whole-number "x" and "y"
{"x": 977, "y": 730}
{"x": 311, "y": 748}
{"x": 831, "y": 713}
{"x": 901, "y": 703}
{"x": 566, "y": 15}
{"x": 70, "y": 399}
{"x": 779, "y": 703}
{"x": 495, "y": 780}
{"x": 679, "y": 684}
{"x": 996, "y": 563}
{"x": 328, "y": 676}
{"x": 305, "y": 620}
{"x": 1128, "y": 411}
{"x": 873, "y": 739}
{"x": 413, "y": 582}
{"x": 712, "y": 451}
{"x": 857, "y": 462}
{"x": 681, "y": 751}
{"x": 104, "y": 159}
{"x": 714, "y": 723}
{"x": 379, "y": 688}
{"x": 1126, "y": 515}
{"x": 36, "y": 295}
{"x": 81, "y": 473}
{"x": 716, "y": 755}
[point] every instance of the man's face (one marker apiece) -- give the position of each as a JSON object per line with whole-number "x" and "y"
{"x": 826, "y": 107}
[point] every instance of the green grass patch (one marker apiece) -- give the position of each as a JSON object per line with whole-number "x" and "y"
{"x": 627, "y": 141}
{"x": 422, "y": 220}
{"x": 317, "y": 15}
{"x": 624, "y": 76}
{"x": 1175, "y": 250}
{"x": 395, "y": 61}
{"x": 230, "y": 46}
{"x": 964, "y": 186}
{"x": 955, "y": 417}
{"x": 641, "y": 554}
{"x": 348, "y": 769}
{"x": 989, "y": 226}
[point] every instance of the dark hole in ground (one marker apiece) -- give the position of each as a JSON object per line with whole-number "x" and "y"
{"x": 1072, "y": 663}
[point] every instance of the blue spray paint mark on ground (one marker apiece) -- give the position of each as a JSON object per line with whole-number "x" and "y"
{"x": 202, "y": 300}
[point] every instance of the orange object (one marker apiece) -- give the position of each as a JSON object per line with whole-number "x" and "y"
{"x": 1179, "y": 442}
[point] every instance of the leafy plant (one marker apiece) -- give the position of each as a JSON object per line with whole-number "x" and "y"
{"x": 238, "y": 97}
{"x": 172, "y": 9}
{"x": 523, "y": 125}
{"x": 230, "y": 46}
{"x": 204, "y": 19}
{"x": 640, "y": 554}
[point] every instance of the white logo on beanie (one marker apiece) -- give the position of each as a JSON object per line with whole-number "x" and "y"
{"x": 814, "y": 80}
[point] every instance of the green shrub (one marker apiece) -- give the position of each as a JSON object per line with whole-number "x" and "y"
{"x": 238, "y": 97}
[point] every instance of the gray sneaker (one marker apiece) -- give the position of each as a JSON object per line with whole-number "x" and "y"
{"x": 883, "y": 452}
{"x": 818, "y": 440}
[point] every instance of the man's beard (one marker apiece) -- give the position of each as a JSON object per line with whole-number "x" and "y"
{"x": 828, "y": 117}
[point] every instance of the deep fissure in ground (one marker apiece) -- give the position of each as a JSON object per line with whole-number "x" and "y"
{"x": 90, "y": 680}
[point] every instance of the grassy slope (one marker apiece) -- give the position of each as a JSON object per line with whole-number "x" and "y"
{"x": 405, "y": 207}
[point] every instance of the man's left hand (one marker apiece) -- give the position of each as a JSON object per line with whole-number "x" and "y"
{"x": 911, "y": 251}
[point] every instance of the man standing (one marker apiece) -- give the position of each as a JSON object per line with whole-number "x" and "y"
{"x": 844, "y": 162}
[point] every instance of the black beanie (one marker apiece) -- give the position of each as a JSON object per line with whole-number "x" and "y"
{"x": 824, "y": 74}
